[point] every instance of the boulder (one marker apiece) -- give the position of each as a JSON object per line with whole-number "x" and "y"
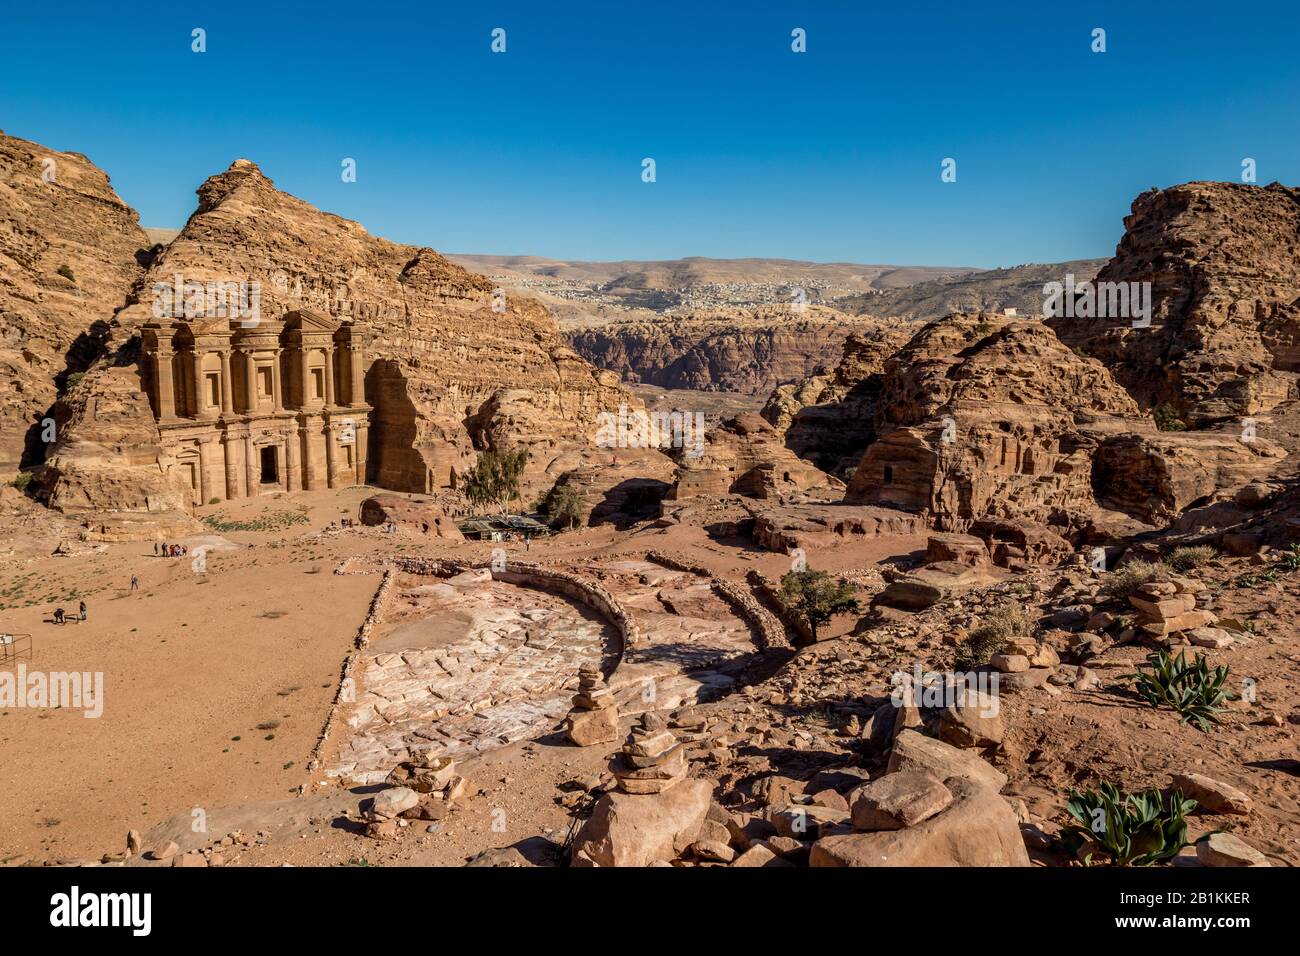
{"x": 1210, "y": 794}
{"x": 393, "y": 802}
{"x": 1225, "y": 849}
{"x": 586, "y": 728}
{"x": 639, "y": 829}
{"x": 898, "y": 800}
{"x": 979, "y": 828}
{"x": 415, "y": 514}
{"x": 915, "y": 751}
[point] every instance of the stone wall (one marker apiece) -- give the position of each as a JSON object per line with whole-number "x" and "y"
{"x": 768, "y": 630}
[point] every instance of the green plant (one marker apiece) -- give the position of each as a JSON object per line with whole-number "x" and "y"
{"x": 817, "y": 597}
{"x": 1185, "y": 559}
{"x": 1291, "y": 559}
{"x": 1192, "y": 689}
{"x": 65, "y": 270}
{"x": 1136, "y": 829}
{"x": 72, "y": 380}
{"x": 999, "y": 625}
{"x": 563, "y": 503}
{"x": 22, "y": 480}
{"x": 1123, "y": 582}
{"x": 1167, "y": 419}
{"x": 1248, "y": 581}
{"x": 495, "y": 478}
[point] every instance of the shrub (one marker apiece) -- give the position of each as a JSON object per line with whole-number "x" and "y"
{"x": 495, "y": 478}
{"x": 1167, "y": 419}
{"x": 998, "y": 626}
{"x": 816, "y": 597}
{"x": 1123, "y": 582}
{"x": 563, "y": 503}
{"x": 1291, "y": 559}
{"x": 22, "y": 480}
{"x": 65, "y": 270}
{"x": 1185, "y": 559}
{"x": 1136, "y": 829}
{"x": 1192, "y": 689}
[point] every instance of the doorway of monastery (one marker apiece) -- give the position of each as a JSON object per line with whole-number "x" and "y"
{"x": 270, "y": 473}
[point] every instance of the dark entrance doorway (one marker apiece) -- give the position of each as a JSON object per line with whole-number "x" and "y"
{"x": 270, "y": 472}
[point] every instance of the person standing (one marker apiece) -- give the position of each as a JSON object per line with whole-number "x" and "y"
{"x": 83, "y": 610}
{"x": 135, "y": 583}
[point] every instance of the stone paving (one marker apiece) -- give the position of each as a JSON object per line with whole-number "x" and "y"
{"x": 461, "y": 665}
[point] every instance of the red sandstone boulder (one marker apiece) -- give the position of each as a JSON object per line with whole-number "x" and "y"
{"x": 422, "y": 515}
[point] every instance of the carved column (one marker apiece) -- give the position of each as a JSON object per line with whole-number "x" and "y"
{"x": 166, "y": 384}
{"x": 292, "y": 473}
{"x": 358, "y": 372}
{"x": 329, "y": 379}
{"x": 331, "y": 457}
{"x": 359, "y": 452}
{"x": 205, "y": 462}
{"x": 228, "y": 445}
{"x": 227, "y": 402}
{"x": 250, "y": 464}
{"x": 201, "y": 409}
{"x": 276, "y": 393}
{"x": 306, "y": 376}
{"x": 250, "y": 382}
{"x": 309, "y": 431}
{"x": 281, "y": 472}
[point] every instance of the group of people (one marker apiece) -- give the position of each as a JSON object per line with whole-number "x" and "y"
{"x": 60, "y": 616}
{"x": 165, "y": 550}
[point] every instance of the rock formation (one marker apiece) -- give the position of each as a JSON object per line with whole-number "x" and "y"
{"x": 70, "y": 252}
{"x": 1223, "y": 260}
{"x": 451, "y": 367}
{"x": 417, "y": 515}
{"x": 729, "y": 350}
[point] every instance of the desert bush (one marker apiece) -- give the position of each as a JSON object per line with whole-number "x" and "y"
{"x": 1136, "y": 829}
{"x": 999, "y": 625}
{"x": 65, "y": 270}
{"x": 1167, "y": 419}
{"x": 22, "y": 480}
{"x": 1291, "y": 559}
{"x": 817, "y": 597}
{"x": 1191, "y": 689}
{"x": 1123, "y": 582}
{"x": 1185, "y": 559}
{"x": 563, "y": 503}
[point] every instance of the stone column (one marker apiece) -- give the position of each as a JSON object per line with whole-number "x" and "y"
{"x": 276, "y": 393}
{"x": 309, "y": 430}
{"x": 359, "y": 452}
{"x": 201, "y": 409}
{"x": 281, "y": 471}
{"x": 292, "y": 472}
{"x": 250, "y": 382}
{"x": 250, "y": 464}
{"x": 166, "y": 384}
{"x": 228, "y": 445}
{"x": 205, "y": 462}
{"x": 358, "y": 373}
{"x": 329, "y": 379}
{"x": 227, "y": 401}
{"x": 331, "y": 457}
{"x": 305, "y": 356}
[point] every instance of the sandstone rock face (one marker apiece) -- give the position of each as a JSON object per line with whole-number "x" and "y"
{"x": 829, "y": 419}
{"x": 1158, "y": 476}
{"x": 420, "y": 515}
{"x": 749, "y": 351}
{"x": 745, "y": 456}
{"x": 450, "y": 365}
{"x": 57, "y": 210}
{"x": 979, "y": 416}
{"x": 1223, "y": 260}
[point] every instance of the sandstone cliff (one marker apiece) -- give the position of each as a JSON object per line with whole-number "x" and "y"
{"x": 446, "y": 372}
{"x": 1223, "y": 260}
{"x": 69, "y": 251}
{"x": 730, "y": 350}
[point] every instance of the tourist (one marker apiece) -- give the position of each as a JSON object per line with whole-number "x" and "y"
{"x": 82, "y": 609}
{"x": 135, "y": 583}
{"x": 58, "y": 615}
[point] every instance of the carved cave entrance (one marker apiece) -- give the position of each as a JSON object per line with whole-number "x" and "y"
{"x": 270, "y": 470}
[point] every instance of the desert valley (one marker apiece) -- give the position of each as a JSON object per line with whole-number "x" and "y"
{"x": 321, "y": 549}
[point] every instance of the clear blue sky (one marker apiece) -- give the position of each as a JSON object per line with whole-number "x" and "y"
{"x": 831, "y": 155}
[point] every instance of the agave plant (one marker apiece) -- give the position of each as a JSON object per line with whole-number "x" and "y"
{"x": 1195, "y": 691}
{"x": 1136, "y": 829}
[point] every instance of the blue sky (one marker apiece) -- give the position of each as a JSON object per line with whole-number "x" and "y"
{"x": 830, "y": 155}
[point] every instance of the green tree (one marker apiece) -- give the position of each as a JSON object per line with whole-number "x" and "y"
{"x": 564, "y": 503}
{"x": 495, "y": 478}
{"x": 817, "y": 597}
